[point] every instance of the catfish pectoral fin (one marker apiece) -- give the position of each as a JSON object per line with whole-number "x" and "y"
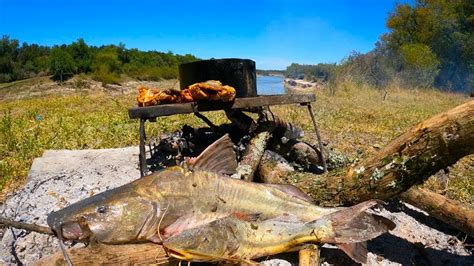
{"x": 356, "y": 251}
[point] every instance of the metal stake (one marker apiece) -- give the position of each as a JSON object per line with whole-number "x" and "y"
{"x": 142, "y": 156}
{"x": 318, "y": 136}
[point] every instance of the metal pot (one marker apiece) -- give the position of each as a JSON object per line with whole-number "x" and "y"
{"x": 238, "y": 73}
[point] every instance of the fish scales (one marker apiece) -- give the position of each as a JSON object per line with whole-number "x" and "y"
{"x": 230, "y": 194}
{"x": 234, "y": 239}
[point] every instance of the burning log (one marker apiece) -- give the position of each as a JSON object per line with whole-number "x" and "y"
{"x": 252, "y": 156}
{"x": 272, "y": 167}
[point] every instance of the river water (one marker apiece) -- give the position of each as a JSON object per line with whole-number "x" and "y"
{"x": 269, "y": 85}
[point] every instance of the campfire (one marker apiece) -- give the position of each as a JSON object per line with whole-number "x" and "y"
{"x": 213, "y": 193}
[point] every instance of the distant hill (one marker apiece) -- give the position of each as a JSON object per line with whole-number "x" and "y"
{"x": 107, "y": 64}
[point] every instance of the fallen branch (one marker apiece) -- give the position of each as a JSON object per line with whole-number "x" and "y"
{"x": 408, "y": 160}
{"x": 442, "y": 208}
{"x": 111, "y": 254}
{"x": 26, "y": 226}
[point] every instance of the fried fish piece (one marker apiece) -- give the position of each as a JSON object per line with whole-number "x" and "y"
{"x": 147, "y": 97}
{"x": 212, "y": 90}
{"x": 152, "y": 96}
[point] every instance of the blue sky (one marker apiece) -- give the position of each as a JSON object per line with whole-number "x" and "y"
{"x": 273, "y": 33}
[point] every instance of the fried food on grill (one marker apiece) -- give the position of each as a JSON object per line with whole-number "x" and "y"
{"x": 147, "y": 97}
{"x": 211, "y": 90}
{"x": 186, "y": 96}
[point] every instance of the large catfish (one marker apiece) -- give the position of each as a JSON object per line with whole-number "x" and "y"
{"x": 235, "y": 239}
{"x": 167, "y": 202}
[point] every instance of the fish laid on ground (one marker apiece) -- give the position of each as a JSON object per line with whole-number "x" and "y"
{"x": 169, "y": 202}
{"x": 235, "y": 239}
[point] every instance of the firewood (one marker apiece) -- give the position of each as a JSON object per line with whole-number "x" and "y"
{"x": 309, "y": 256}
{"x": 252, "y": 156}
{"x": 442, "y": 208}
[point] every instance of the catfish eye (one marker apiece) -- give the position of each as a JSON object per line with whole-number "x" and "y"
{"x": 101, "y": 209}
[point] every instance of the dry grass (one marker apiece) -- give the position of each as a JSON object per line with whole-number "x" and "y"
{"x": 355, "y": 121}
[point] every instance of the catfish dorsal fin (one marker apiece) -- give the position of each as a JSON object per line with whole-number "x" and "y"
{"x": 293, "y": 191}
{"x": 219, "y": 157}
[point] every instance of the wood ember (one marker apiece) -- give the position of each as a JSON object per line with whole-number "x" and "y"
{"x": 252, "y": 156}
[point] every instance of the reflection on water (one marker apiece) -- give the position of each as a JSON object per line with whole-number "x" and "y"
{"x": 269, "y": 85}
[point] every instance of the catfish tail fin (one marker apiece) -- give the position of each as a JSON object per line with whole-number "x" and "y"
{"x": 353, "y": 225}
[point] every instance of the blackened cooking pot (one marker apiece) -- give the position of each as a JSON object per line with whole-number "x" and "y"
{"x": 238, "y": 73}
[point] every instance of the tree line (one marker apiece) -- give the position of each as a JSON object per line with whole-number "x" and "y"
{"x": 104, "y": 63}
{"x": 429, "y": 44}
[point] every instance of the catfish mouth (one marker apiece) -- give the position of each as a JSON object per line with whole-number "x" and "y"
{"x": 74, "y": 231}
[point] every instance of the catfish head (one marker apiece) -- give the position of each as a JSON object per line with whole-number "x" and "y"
{"x": 115, "y": 216}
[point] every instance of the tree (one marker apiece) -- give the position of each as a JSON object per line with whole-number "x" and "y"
{"x": 421, "y": 64}
{"x": 106, "y": 66}
{"x": 446, "y": 28}
{"x": 61, "y": 64}
{"x": 8, "y": 58}
{"x": 81, "y": 54}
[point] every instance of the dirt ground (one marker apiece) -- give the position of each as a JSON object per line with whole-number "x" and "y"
{"x": 61, "y": 177}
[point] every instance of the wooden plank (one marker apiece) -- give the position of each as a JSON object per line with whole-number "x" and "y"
{"x": 239, "y": 103}
{"x": 125, "y": 254}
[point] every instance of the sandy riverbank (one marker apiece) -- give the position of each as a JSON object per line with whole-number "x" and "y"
{"x": 300, "y": 85}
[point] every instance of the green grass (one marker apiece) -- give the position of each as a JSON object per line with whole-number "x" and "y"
{"x": 352, "y": 121}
